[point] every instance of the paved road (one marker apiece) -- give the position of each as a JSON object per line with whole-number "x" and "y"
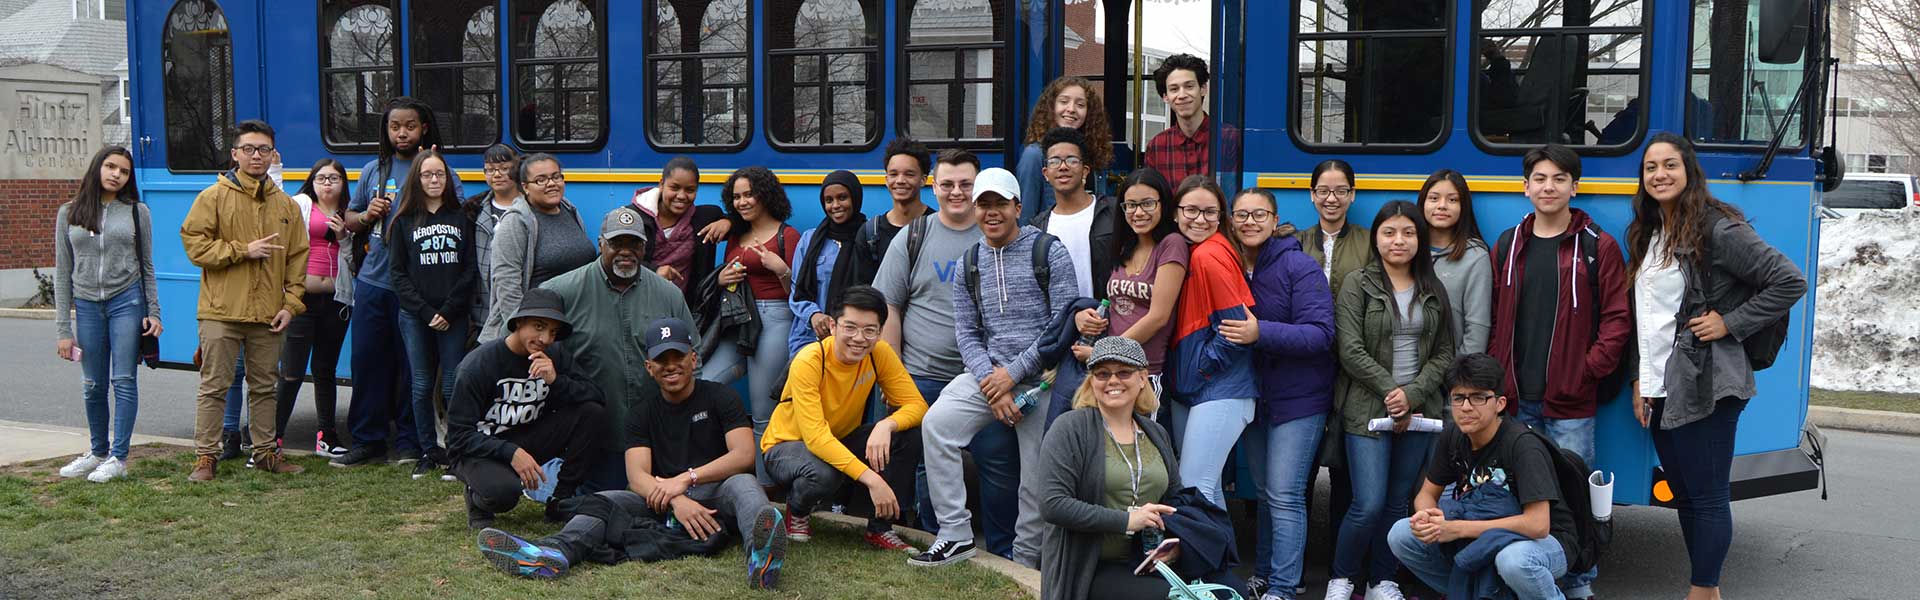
{"x": 1859, "y": 544}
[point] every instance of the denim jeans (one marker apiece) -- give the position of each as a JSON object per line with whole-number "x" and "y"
{"x": 1282, "y": 464}
{"x": 996, "y": 464}
{"x": 1384, "y": 471}
{"x": 425, "y": 347}
{"x": 1575, "y": 435}
{"x": 236, "y": 395}
{"x": 379, "y": 360}
{"x": 1529, "y": 568}
{"x": 768, "y": 362}
{"x": 1698, "y": 459}
{"x": 108, "y": 334}
{"x": 1208, "y": 432}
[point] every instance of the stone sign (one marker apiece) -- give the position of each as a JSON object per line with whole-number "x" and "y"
{"x": 49, "y": 125}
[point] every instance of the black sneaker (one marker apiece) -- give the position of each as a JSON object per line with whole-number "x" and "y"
{"x": 437, "y": 456}
{"x": 561, "y": 510}
{"x": 406, "y": 456}
{"x": 229, "y": 444}
{"x": 423, "y": 468}
{"x": 943, "y": 553}
{"x": 363, "y": 454}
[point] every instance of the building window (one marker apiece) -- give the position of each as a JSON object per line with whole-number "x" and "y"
{"x": 126, "y": 101}
{"x": 823, "y": 74}
{"x": 701, "y": 73}
{"x": 456, "y": 69}
{"x": 560, "y": 79}
{"x": 358, "y": 46}
{"x": 955, "y": 57}
{"x": 1562, "y": 72}
{"x": 196, "y": 57}
{"x": 1733, "y": 97}
{"x": 1371, "y": 74}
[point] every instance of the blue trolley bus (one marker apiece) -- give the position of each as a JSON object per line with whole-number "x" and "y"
{"x": 1398, "y": 88}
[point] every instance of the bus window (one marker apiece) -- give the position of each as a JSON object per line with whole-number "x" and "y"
{"x": 700, "y": 74}
{"x": 1733, "y": 97}
{"x": 1135, "y": 108}
{"x": 955, "y": 57}
{"x": 196, "y": 55}
{"x": 1562, "y": 71}
{"x": 357, "y": 76}
{"x": 559, "y": 85}
{"x": 1371, "y": 73}
{"x": 455, "y": 56}
{"x": 823, "y": 86}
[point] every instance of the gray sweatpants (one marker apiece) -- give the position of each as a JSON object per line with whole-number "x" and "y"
{"x": 949, "y": 425}
{"x": 738, "y": 497}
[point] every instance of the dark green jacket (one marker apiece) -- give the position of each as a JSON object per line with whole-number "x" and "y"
{"x": 1363, "y": 342}
{"x": 1352, "y": 251}
{"x": 610, "y": 332}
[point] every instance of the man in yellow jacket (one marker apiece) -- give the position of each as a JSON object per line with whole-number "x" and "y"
{"x": 250, "y": 243}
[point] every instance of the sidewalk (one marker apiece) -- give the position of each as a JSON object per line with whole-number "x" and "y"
{"x": 29, "y": 441}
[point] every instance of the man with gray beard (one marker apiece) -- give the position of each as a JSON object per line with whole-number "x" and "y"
{"x": 609, "y": 302}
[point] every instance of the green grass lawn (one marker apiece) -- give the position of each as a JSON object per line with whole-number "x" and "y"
{"x": 1906, "y": 403}
{"x": 370, "y": 532}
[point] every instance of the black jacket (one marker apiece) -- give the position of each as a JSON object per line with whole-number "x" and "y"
{"x": 1099, "y": 243}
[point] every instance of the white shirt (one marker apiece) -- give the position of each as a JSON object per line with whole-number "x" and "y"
{"x": 1327, "y": 240}
{"x": 1076, "y": 233}
{"x": 1657, "y": 291}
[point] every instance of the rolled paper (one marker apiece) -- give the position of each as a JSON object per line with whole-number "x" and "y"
{"x": 1422, "y": 424}
{"x": 1600, "y": 494}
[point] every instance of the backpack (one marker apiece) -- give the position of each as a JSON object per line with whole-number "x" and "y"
{"x": 1587, "y": 249}
{"x": 1042, "y": 273}
{"x": 1592, "y": 536}
{"x": 1763, "y": 346}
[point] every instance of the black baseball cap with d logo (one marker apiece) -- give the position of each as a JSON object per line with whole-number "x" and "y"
{"x": 668, "y": 334}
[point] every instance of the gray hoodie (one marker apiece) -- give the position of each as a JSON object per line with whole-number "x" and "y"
{"x": 1469, "y": 283}
{"x": 97, "y": 266}
{"x": 1013, "y": 318}
{"x": 515, "y": 239}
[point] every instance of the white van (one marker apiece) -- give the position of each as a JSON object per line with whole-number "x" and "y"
{"x": 1868, "y": 192}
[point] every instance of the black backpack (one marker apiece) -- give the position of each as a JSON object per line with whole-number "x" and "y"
{"x": 1592, "y": 536}
{"x": 1763, "y": 346}
{"x": 1042, "y": 273}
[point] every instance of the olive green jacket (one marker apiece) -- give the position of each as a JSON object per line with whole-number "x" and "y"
{"x": 1363, "y": 318}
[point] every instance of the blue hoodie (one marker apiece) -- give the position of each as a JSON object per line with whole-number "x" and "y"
{"x": 1295, "y": 349}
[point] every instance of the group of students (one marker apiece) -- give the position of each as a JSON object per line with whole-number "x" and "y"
{"x": 1025, "y": 319}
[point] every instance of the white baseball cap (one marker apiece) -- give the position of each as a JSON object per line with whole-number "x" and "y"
{"x": 996, "y": 181}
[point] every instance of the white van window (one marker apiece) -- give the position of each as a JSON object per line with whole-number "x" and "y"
{"x": 1871, "y": 194}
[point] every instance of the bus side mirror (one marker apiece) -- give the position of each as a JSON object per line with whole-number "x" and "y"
{"x": 1832, "y": 171}
{"x": 1783, "y": 30}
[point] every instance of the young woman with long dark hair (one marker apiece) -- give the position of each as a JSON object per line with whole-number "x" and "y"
{"x": 103, "y": 275}
{"x": 758, "y": 254}
{"x": 1394, "y": 343}
{"x": 1703, "y": 281}
{"x": 433, "y": 273}
{"x": 316, "y": 335}
{"x": 1213, "y": 379}
{"x": 1460, "y": 258}
{"x": 1148, "y": 269}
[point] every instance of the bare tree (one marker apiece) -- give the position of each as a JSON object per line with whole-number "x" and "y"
{"x": 1887, "y": 38}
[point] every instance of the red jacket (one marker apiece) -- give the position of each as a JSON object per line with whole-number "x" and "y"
{"x": 1591, "y": 327}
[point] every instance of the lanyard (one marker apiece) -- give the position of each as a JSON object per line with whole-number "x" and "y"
{"x": 1136, "y": 468}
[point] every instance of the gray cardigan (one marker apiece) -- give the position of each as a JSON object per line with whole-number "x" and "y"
{"x": 96, "y": 267}
{"x": 1469, "y": 283}
{"x": 515, "y": 240}
{"x": 1072, "y": 491}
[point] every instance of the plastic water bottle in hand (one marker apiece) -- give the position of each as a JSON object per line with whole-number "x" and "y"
{"x": 1031, "y": 398}
{"x": 1102, "y": 311}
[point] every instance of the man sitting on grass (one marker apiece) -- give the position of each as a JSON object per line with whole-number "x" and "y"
{"x": 806, "y": 447}
{"x": 519, "y": 402}
{"x": 689, "y": 457}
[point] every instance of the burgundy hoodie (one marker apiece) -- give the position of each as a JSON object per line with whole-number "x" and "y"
{"x": 1588, "y": 340}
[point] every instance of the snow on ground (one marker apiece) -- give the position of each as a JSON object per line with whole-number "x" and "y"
{"x": 1867, "y": 324}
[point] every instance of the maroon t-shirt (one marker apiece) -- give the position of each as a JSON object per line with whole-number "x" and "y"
{"x": 1132, "y": 296}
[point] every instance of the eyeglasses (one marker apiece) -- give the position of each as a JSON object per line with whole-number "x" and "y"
{"x": 1139, "y": 205}
{"x": 1120, "y": 374}
{"x": 1071, "y": 161}
{"x": 1252, "y": 216}
{"x": 500, "y": 170}
{"x": 867, "y": 333}
{"x": 1204, "y": 214}
{"x": 948, "y": 186}
{"x": 251, "y": 150}
{"x": 1323, "y": 193}
{"x": 1479, "y": 399}
{"x": 548, "y": 180}
{"x": 433, "y": 175}
{"x": 329, "y": 179}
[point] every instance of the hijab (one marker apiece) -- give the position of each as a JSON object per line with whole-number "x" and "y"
{"x": 807, "y": 284}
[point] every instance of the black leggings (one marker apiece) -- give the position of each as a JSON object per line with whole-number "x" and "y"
{"x": 316, "y": 334}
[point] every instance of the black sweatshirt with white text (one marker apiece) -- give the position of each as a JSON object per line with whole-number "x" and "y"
{"x": 432, "y": 263}
{"x": 493, "y": 394}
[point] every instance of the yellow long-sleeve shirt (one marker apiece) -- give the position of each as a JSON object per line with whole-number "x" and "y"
{"x": 826, "y": 403}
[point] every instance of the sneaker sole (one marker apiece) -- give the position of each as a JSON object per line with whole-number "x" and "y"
{"x": 950, "y": 560}
{"x": 770, "y": 551}
{"x": 504, "y": 552}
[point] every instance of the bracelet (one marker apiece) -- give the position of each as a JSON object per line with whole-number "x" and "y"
{"x": 693, "y": 476}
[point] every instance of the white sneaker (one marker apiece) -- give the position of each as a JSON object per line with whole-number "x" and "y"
{"x": 1340, "y": 589}
{"x": 110, "y": 469}
{"x": 81, "y": 466}
{"x": 1385, "y": 590}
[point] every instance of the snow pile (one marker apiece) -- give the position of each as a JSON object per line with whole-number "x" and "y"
{"x": 1867, "y": 327}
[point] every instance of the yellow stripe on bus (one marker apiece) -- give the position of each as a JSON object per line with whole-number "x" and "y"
{"x": 1612, "y": 186}
{"x": 795, "y": 177}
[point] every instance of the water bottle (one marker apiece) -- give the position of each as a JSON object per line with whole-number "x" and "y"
{"x": 390, "y": 192}
{"x": 1031, "y": 398}
{"x": 735, "y": 286}
{"x": 1102, "y": 311}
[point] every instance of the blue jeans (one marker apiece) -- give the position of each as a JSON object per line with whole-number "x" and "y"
{"x": 425, "y": 347}
{"x": 1384, "y": 471}
{"x": 1575, "y": 435}
{"x": 996, "y": 462}
{"x": 108, "y": 335}
{"x": 379, "y": 359}
{"x": 236, "y": 395}
{"x": 1283, "y": 463}
{"x": 1529, "y": 568}
{"x": 1208, "y": 432}
{"x": 1698, "y": 459}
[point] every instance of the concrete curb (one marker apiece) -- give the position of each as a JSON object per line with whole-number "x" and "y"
{"x": 1027, "y": 579}
{"x": 1873, "y": 421}
{"x": 41, "y": 314}
{"x": 32, "y": 441}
